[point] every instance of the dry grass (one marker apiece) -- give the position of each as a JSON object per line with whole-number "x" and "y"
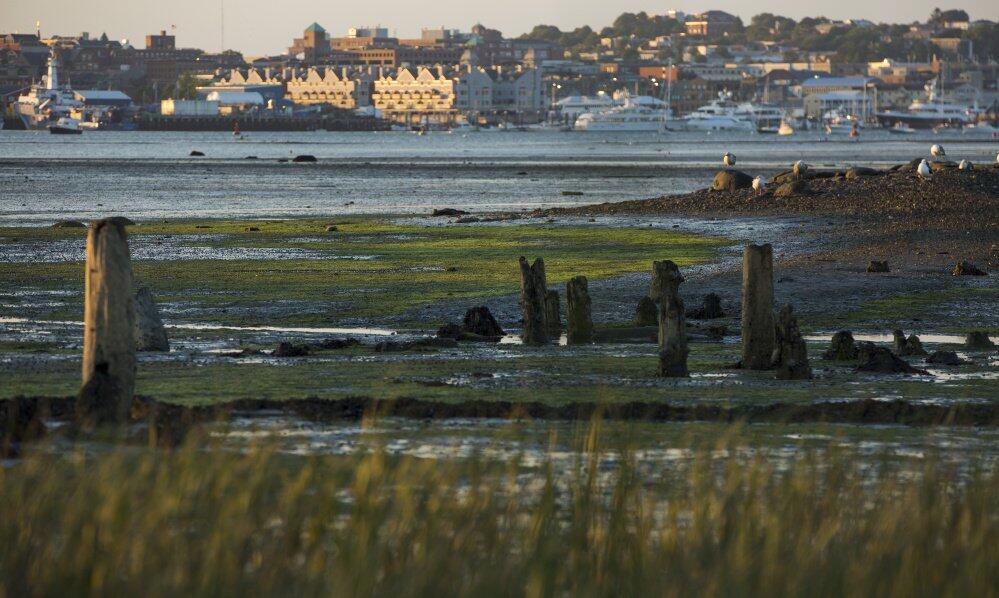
{"x": 209, "y": 521}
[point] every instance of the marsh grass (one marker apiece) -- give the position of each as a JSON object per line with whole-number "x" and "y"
{"x": 204, "y": 520}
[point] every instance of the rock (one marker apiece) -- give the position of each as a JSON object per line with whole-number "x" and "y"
{"x": 285, "y": 349}
{"x": 304, "y": 158}
{"x": 252, "y": 229}
{"x": 69, "y": 224}
{"x": 879, "y": 360}
{"x": 978, "y": 340}
{"x": 449, "y": 330}
{"x": 945, "y": 358}
{"x": 710, "y": 309}
{"x": 480, "y": 321}
{"x": 842, "y": 347}
{"x": 250, "y": 158}
{"x": 938, "y": 165}
{"x": 196, "y": 153}
{"x": 448, "y": 212}
{"x": 572, "y": 193}
{"x": 150, "y": 335}
{"x": 790, "y": 352}
{"x": 877, "y": 267}
{"x": 907, "y": 346}
{"x": 791, "y": 188}
{"x": 731, "y": 180}
{"x": 121, "y": 220}
{"x": 336, "y": 343}
{"x": 966, "y": 268}
{"x": 646, "y": 314}
{"x": 856, "y": 172}
{"x": 331, "y": 228}
{"x": 467, "y": 220}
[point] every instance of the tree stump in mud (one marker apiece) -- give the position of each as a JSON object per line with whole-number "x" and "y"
{"x": 108, "y": 327}
{"x": 842, "y": 347}
{"x": 790, "y": 355}
{"x": 646, "y": 314}
{"x": 757, "y": 307}
{"x": 665, "y": 276}
{"x": 533, "y": 294}
{"x": 553, "y": 315}
{"x": 710, "y": 309}
{"x": 907, "y": 346}
{"x": 673, "y": 349}
{"x": 578, "y": 312}
{"x": 150, "y": 334}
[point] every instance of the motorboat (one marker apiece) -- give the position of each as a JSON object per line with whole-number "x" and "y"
{"x": 766, "y": 117}
{"x": 65, "y": 126}
{"x": 901, "y": 128}
{"x": 719, "y": 115}
{"x": 785, "y": 129}
{"x": 928, "y": 114}
{"x": 634, "y": 115}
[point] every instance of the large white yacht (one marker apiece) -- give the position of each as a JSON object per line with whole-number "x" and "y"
{"x": 719, "y": 115}
{"x": 766, "y": 118}
{"x": 631, "y": 114}
{"x": 934, "y": 112}
{"x": 46, "y": 102}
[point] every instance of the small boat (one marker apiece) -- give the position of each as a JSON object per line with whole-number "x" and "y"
{"x": 901, "y": 129}
{"x": 785, "y": 129}
{"x": 65, "y": 126}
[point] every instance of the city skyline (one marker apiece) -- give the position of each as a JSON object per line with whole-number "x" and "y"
{"x": 262, "y": 28}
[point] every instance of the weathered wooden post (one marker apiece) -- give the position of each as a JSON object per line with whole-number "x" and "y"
{"x": 553, "y": 314}
{"x": 578, "y": 312}
{"x": 150, "y": 334}
{"x": 533, "y": 292}
{"x": 661, "y": 274}
{"x": 672, "y": 334}
{"x": 757, "y": 307}
{"x": 791, "y": 354}
{"x": 108, "y": 327}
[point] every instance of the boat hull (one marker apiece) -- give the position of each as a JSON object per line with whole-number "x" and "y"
{"x": 890, "y": 119}
{"x": 56, "y": 130}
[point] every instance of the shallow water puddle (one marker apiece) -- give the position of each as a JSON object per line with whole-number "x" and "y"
{"x": 943, "y": 339}
{"x": 332, "y": 330}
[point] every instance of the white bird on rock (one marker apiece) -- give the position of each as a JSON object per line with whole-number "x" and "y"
{"x": 924, "y": 170}
{"x": 758, "y": 184}
{"x": 799, "y": 168}
{"x": 937, "y": 150}
{"x": 728, "y": 159}
{"x": 965, "y": 165}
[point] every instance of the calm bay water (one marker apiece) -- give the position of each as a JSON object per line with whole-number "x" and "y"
{"x": 149, "y": 175}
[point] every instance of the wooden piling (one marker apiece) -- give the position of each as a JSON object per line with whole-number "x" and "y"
{"x": 108, "y": 327}
{"x": 791, "y": 355}
{"x": 665, "y": 275}
{"x": 578, "y": 312}
{"x": 553, "y": 314}
{"x": 673, "y": 348}
{"x": 757, "y": 307}
{"x": 533, "y": 293}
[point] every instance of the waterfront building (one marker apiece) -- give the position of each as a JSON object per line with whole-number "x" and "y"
{"x": 343, "y": 88}
{"x": 313, "y": 46}
{"x": 432, "y": 96}
{"x": 518, "y": 90}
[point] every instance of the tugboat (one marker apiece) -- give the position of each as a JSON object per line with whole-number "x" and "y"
{"x": 65, "y": 126}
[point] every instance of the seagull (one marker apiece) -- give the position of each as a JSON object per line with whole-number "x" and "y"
{"x": 799, "y": 168}
{"x": 759, "y": 183}
{"x": 965, "y": 165}
{"x": 937, "y": 150}
{"x": 924, "y": 170}
{"x": 729, "y": 159}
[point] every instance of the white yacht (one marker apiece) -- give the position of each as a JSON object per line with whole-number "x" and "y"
{"x": 933, "y": 112}
{"x": 634, "y": 114}
{"x": 572, "y": 107}
{"x": 765, "y": 117}
{"x": 47, "y": 102}
{"x": 720, "y": 115}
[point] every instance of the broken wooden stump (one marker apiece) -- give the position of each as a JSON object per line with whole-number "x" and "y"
{"x": 757, "y": 307}
{"x": 710, "y": 309}
{"x": 646, "y": 314}
{"x": 108, "y": 327}
{"x": 578, "y": 312}
{"x": 553, "y": 315}
{"x": 533, "y": 295}
{"x": 905, "y": 346}
{"x": 150, "y": 334}
{"x": 842, "y": 347}
{"x": 791, "y": 354}
{"x": 673, "y": 349}
{"x": 665, "y": 275}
